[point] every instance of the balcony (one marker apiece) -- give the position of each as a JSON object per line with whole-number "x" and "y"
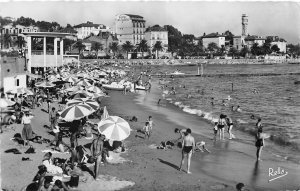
{"x": 38, "y": 61}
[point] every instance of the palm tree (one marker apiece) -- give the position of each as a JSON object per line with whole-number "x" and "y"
{"x": 127, "y": 46}
{"x": 97, "y": 46}
{"x": 143, "y": 46}
{"x": 158, "y": 47}
{"x": 7, "y": 40}
{"x": 114, "y": 47}
{"x": 79, "y": 45}
{"x": 20, "y": 41}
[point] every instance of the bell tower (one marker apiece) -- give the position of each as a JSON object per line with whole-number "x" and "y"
{"x": 244, "y": 25}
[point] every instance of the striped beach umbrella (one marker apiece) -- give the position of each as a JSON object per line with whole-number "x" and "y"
{"x": 76, "y": 112}
{"x": 71, "y": 79}
{"x": 45, "y": 84}
{"x": 83, "y": 83}
{"x": 73, "y": 89}
{"x": 93, "y": 104}
{"x": 114, "y": 128}
{"x": 79, "y": 95}
{"x": 21, "y": 91}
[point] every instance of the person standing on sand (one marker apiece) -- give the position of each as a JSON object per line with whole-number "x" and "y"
{"x": 27, "y": 133}
{"x": 151, "y": 124}
{"x": 259, "y": 143}
{"x": 258, "y": 124}
{"x": 96, "y": 151}
{"x": 53, "y": 118}
{"x": 230, "y": 126}
{"x": 146, "y": 130}
{"x": 188, "y": 146}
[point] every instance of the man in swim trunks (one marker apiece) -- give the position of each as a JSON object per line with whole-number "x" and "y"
{"x": 188, "y": 146}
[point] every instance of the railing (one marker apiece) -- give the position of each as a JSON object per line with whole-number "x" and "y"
{"x": 41, "y": 52}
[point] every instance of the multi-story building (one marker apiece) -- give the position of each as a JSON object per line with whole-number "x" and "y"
{"x": 130, "y": 28}
{"x": 17, "y": 30}
{"x": 157, "y": 33}
{"x": 104, "y": 38}
{"x": 280, "y": 42}
{"x": 219, "y": 39}
{"x": 86, "y": 29}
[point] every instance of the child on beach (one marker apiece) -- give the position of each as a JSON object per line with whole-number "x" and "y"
{"x": 215, "y": 130}
{"x": 146, "y": 130}
{"x": 150, "y": 123}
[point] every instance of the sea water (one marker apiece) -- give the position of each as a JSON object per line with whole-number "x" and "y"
{"x": 275, "y": 99}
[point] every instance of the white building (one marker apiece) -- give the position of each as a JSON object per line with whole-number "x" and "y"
{"x": 13, "y": 74}
{"x": 86, "y": 29}
{"x": 280, "y": 42}
{"x": 215, "y": 38}
{"x": 130, "y": 28}
{"x": 157, "y": 33}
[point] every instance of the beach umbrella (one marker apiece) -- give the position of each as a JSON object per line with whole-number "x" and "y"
{"x": 104, "y": 114}
{"x": 76, "y": 112}
{"x": 70, "y": 79}
{"x": 114, "y": 128}
{"x": 73, "y": 89}
{"x": 5, "y": 103}
{"x": 93, "y": 104}
{"x": 83, "y": 83}
{"x": 45, "y": 84}
{"x": 21, "y": 91}
{"x": 59, "y": 82}
{"x": 79, "y": 95}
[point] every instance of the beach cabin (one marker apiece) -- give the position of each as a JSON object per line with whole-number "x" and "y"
{"x": 13, "y": 73}
{"x": 44, "y": 50}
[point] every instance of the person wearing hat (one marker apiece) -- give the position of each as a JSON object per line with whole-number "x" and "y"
{"x": 27, "y": 133}
{"x": 96, "y": 151}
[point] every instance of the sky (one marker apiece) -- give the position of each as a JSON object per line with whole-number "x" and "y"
{"x": 190, "y": 17}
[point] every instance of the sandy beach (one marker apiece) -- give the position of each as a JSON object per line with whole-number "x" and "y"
{"x": 143, "y": 166}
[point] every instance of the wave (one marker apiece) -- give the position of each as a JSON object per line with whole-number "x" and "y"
{"x": 241, "y": 124}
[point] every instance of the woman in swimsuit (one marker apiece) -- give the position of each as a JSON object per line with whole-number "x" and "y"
{"x": 259, "y": 143}
{"x": 188, "y": 146}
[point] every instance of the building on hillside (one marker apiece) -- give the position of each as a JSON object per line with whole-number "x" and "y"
{"x": 238, "y": 42}
{"x": 130, "y": 28}
{"x": 154, "y": 34}
{"x": 251, "y": 40}
{"x": 15, "y": 31}
{"x": 89, "y": 28}
{"x": 104, "y": 38}
{"x": 13, "y": 74}
{"x": 71, "y": 31}
{"x": 280, "y": 42}
{"x": 219, "y": 39}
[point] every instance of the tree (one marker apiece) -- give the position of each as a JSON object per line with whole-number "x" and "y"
{"x": 143, "y": 46}
{"x": 232, "y": 51}
{"x": 68, "y": 44}
{"x": 174, "y": 39}
{"x": 255, "y": 49}
{"x": 127, "y": 46}
{"x": 7, "y": 40}
{"x": 97, "y": 46}
{"x": 20, "y": 41}
{"x": 114, "y": 47}
{"x": 266, "y": 48}
{"x": 213, "y": 47}
{"x": 293, "y": 50}
{"x": 79, "y": 46}
{"x": 158, "y": 47}
{"x": 244, "y": 51}
{"x": 229, "y": 36}
{"x": 275, "y": 48}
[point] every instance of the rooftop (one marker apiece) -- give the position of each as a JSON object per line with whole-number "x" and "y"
{"x": 46, "y": 34}
{"x": 213, "y": 35}
{"x": 87, "y": 24}
{"x": 134, "y": 16}
{"x": 254, "y": 37}
{"x": 155, "y": 28}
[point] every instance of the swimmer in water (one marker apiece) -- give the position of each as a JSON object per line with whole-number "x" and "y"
{"x": 212, "y": 101}
{"x": 255, "y": 91}
{"x": 238, "y": 109}
{"x": 189, "y": 96}
{"x": 229, "y": 98}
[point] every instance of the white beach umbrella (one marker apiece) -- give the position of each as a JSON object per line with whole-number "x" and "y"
{"x": 83, "y": 83}
{"x": 114, "y": 128}
{"x": 94, "y": 89}
{"x": 45, "y": 84}
{"x": 5, "y": 103}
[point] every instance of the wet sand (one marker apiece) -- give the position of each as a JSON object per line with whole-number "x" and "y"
{"x": 149, "y": 168}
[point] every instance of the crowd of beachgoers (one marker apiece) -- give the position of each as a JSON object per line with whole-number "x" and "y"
{"x": 72, "y": 95}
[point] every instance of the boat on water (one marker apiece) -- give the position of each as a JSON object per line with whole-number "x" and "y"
{"x": 139, "y": 87}
{"x": 115, "y": 86}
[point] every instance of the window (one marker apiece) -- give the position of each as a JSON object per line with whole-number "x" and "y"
{"x": 17, "y": 82}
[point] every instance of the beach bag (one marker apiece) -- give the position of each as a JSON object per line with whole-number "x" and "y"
{"x": 74, "y": 180}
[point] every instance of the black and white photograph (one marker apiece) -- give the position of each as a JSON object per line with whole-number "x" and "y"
{"x": 149, "y": 95}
